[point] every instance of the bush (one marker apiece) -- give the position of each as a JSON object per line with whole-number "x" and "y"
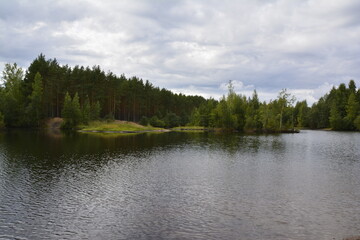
{"x": 156, "y": 122}
{"x": 71, "y": 111}
{"x": 109, "y": 118}
{"x": 144, "y": 121}
{"x": 171, "y": 120}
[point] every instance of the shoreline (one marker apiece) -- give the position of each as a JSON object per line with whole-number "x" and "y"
{"x": 124, "y": 131}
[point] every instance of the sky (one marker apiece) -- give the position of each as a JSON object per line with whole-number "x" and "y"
{"x": 194, "y": 47}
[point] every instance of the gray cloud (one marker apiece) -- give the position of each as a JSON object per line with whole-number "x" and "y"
{"x": 195, "y": 46}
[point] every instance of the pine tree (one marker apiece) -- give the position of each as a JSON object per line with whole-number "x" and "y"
{"x": 13, "y": 101}
{"x": 76, "y": 110}
{"x": 335, "y": 119}
{"x": 352, "y": 111}
{"x": 34, "y": 109}
{"x": 252, "y": 115}
{"x": 86, "y": 111}
{"x": 357, "y": 122}
{"x": 67, "y": 111}
{"x": 95, "y": 111}
{"x": 71, "y": 111}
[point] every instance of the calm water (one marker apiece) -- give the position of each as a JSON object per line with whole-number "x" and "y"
{"x": 179, "y": 186}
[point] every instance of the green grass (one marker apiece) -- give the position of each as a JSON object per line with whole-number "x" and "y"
{"x": 116, "y": 126}
{"x": 110, "y": 135}
{"x": 190, "y": 129}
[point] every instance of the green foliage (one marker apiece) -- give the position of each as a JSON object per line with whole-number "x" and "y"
{"x": 352, "y": 107}
{"x": 35, "y": 107}
{"x": 26, "y": 101}
{"x": 171, "y": 120}
{"x": 195, "y": 118}
{"x": 319, "y": 114}
{"x": 269, "y": 116}
{"x": 301, "y": 112}
{"x": 13, "y": 99}
{"x": 86, "y": 112}
{"x": 126, "y": 98}
{"x": 285, "y": 102}
{"x": 223, "y": 116}
{"x": 230, "y": 112}
{"x": 357, "y": 123}
{"x": 95, "y": 111}
{"x": 352, "y": 87}
{"x": 76, "y": 110}
{"x": 144, "y": 121}
{"x": 71, "y": 111}
{"x": 67, "y": 112}
{"x": 109, "y": 118}
{"x": 156, "y": 122}
{"x": 336, "y": 121}
{"x": 2, "y": 123}
{"x": 201, "y": 116}
{"x": 252, "y": 116}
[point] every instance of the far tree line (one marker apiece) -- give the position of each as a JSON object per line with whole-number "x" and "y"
{"x": 82, "y": 94}
{"x": 338, "y": 110}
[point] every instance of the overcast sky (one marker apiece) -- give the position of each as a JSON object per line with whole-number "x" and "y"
{"x": 194, "y": 47}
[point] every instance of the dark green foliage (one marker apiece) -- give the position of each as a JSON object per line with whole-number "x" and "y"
{"x": 71, "y": 111}
{"x": 156, "y": 122}
{"x": 42, "y": 93}
{"x": 269, "y": 116}
{"x": 352, "y": 112}
{"x": 76, "y": 114}
{"x": 67, "y": 111}
{"x": 352, "y": 87}
{"x": 301, "y": 112}
{"x": 95, "y": 110}
{"x": 252, "y": 117}
{"x": 336, "y": 121}
{"x": 319, "y": 114}
{"x": 13, "y": 106}
{"x": 171, "y": 120}
{"x": 125, "y": 98}
{"x": 202, "y": 116}
{"x": 35, "y": 107}
{"x": 357, "y": 122}
{"x": 144, "y": 121}
{"x": 229, "y": 112}
{"x": 2, "y": 123}
{"x": 86, "y": 111}
{"x": 110, "y": 117}
{"x": 337, "y": 110}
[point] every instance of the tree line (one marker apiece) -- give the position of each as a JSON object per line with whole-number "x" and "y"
{"x": 40, "y": 92}
{"x": 339, "y": 110}
{"x": 81, "y": 94}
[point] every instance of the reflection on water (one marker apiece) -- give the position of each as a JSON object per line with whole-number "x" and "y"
{"x": 179, "y": 186}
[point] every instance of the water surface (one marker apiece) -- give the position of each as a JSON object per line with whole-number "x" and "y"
{"x": 179, "y": 186}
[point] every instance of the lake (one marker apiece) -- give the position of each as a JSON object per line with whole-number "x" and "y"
{"x": 179, "y": 186}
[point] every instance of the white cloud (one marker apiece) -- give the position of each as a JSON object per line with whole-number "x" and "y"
{"x": 311, "y": 95}
{"x": 194, "y": 46}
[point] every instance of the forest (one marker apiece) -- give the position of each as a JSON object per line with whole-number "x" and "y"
{"x": 80, "y": 94}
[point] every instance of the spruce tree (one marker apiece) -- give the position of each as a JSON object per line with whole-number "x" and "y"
{"x": 335, "y": 119}
{"x": 95, "y": 111}
{"x": 36, "y": 101}
{"x": 67, "y": 111}
{"x": 86, "y": 111}
{"x": 76, "y": 110}
{"x": 352, "y": 111}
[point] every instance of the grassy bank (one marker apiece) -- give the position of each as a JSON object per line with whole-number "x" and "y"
{"x": 116, "y": 127}
{"x": 191, "y": 129}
